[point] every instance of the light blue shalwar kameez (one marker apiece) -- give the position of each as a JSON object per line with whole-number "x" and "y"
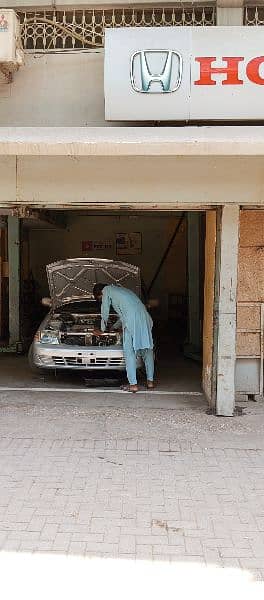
{"x": 137, "y": 328}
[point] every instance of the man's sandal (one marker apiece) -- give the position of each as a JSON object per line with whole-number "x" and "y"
{"x": 150, "y": 387}
{"x": 127, "y": 388}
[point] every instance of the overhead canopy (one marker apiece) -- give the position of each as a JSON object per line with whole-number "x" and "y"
{"x": 165, "y": 168}
{"x": 132, "y": 141}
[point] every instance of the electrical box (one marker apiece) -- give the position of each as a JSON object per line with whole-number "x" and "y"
{"x": 11, "y": 51}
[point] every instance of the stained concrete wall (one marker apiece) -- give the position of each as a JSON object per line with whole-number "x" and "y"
{"x": 63, "y": 89}
{"x": 132, "y": 181}
{"x": 250, "y": 288}
{"x": 250, "y": 280}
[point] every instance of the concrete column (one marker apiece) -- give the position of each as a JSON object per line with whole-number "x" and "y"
{"x": 209, "y": 294}
{"x": 229, "y": 16}
{"x": 14, "y": 278}
{"x": 228, "y": 239}
{"x": 193, "y": 346}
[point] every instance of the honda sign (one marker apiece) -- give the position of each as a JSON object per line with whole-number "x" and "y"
{"x": 183, "y": 73}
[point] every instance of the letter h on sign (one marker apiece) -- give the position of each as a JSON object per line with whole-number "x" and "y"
{"x": 163, "y": 78}
{"x": 230, "y": 70}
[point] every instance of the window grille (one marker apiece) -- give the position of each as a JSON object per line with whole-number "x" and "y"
{"x": 254, "y": 15}
{"x": 60, "y": 30}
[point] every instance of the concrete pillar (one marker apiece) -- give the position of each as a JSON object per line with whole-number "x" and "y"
{"x": 14, "y": 279}
{"x": 229, "y": 16}
{"x": 228, "y": 239}
{"x": 209, "y": 293}
{"x": 193, "y": 346}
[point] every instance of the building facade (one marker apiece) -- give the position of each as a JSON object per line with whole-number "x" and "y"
{"x": 64, "y": 165}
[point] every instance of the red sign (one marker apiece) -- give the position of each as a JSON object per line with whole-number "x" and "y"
{"x": 91, "y": 245}
{"x": 184, "y": 74}
{"x": 230, "y": 70}
{"x": 87, "y": 245}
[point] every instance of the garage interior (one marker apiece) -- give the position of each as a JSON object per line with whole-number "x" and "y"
{"x": 169, "y": 248}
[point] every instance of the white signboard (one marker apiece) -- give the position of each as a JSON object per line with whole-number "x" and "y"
{"x": 184, "y": 73}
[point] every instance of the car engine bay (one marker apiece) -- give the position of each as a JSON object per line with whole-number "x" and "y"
{"x": 77, "y": 329}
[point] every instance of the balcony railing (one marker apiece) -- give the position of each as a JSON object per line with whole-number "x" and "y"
{"x": 254, "y": 15}
{"x": 60, "y": 30}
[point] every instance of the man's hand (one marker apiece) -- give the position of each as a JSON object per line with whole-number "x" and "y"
{"x": 97, "y": 332}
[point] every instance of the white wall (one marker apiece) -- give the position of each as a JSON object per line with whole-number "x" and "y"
{"x": 63, "y": 89}
{"x": 50, "y": 245}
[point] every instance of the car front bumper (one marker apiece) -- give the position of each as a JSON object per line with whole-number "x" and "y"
{"x": 51, "y": 356}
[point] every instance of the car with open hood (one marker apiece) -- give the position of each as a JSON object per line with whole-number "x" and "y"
{"x": 65, "y": 338}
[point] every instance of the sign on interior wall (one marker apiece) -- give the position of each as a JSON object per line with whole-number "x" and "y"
{"x": 128, "y": 243}
{"x": 92, "y": 245}
{"x": 3, "y": 23}
{"x": 184, "y": 73}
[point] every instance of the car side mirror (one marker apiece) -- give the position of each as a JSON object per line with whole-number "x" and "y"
{"x": 46, "y": 301}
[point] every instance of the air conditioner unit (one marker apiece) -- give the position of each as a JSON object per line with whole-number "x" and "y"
{"x": 11, "y": 51}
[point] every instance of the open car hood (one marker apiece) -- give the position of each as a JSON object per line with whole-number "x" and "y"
{"x": 74, "y": 278}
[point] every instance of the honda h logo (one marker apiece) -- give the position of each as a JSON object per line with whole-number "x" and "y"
{"x": 156, "y": 71}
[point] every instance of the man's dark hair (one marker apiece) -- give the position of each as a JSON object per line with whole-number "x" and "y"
{"x": 98, "y": 288}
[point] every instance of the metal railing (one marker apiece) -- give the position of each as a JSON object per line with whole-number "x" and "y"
{"x": 254, "y": 15}
{"x": 61, "y": 30}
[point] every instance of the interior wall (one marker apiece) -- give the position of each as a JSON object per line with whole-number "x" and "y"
{"x": 49, "y": 245}
{"x": 210, "y": 245}
{"x": 175, "y": 267}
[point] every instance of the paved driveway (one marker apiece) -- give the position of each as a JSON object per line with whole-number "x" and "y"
{"x": 99, "y": 480}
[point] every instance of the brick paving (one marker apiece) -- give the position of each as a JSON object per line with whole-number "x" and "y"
{"x": 132, "y": 482}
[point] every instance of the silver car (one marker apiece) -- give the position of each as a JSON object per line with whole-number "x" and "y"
{"x": 65, "y": 338}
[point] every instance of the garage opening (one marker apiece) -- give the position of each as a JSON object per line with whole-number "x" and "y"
{"x": 169, "y": 249}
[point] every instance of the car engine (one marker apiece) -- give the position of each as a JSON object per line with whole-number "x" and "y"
{"x": 77, "y": 329}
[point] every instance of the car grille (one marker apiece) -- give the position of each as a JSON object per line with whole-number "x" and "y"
{"x": 88, "y": 340}
{"x": 100, "y": 361}
{"x": 74, "y": 340}
{"x": 58, "y": 360}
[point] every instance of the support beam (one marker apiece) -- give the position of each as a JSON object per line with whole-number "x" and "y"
{"x": 14, "y": 279}
{"x": 209, "y": 293}
{"x": 2, "y": 287}
{"x": 45, "y": 217}
{"x": 193, "y": 346}
{"x": 228, "y": 239}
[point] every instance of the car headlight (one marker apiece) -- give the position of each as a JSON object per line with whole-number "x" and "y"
{"x": 49, "y": 337}
{"x": 119, "y": 339}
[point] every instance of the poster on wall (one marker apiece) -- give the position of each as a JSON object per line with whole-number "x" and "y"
{"x": 95, "y": 245}
{"x": 128, "y": 243}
